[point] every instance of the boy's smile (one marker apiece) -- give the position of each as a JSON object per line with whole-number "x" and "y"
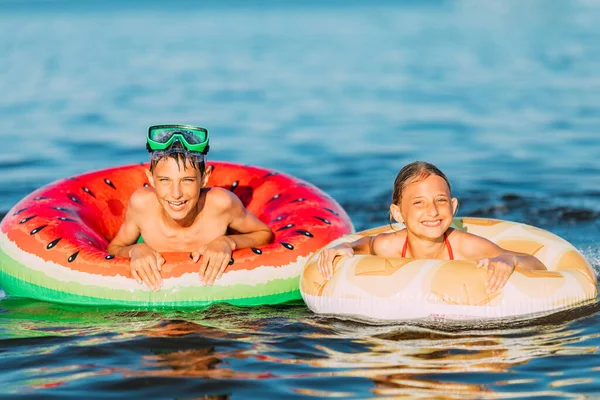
{"x": 177, "y": 205}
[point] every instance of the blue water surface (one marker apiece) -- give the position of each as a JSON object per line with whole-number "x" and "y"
{"x": 503, "y": 96}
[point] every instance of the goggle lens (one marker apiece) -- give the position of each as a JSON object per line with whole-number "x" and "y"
{"x": 193, "y": 138}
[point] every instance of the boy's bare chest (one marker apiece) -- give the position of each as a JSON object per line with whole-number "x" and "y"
{"x": 164, "y": 238}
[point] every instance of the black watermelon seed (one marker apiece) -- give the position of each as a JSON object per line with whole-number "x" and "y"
{"x": 288, "y": 226}
{"x": 191, "y": 256}
{"x": 41, "y": 198}
{"x": 231, "y": 261}
{"x": 275, "y": 197}
{"x": 257, "y": 251}
{"x": 66, "y": 219}
{"x": 146, "y": 185}
{"x": 234, "y": 185}
{"x": 279, "y": 218}
{"x": 74, "y": 199}
{"x": 305, "y": 233}
{"x": 36, "y": 230}
{"x": 109, "y": 183}
{"x": 26, "y": 219}
{"x": 109, "y": 256}
{"x": 88, "y": 191}
{"x": 298, "y": 200}
{"x": 331, "y": 211}
{"x": 73, "y": 257}
{"x": 20, "y": 211}
{"x": 62, "y": 209}
{"x": 270, "y": 174}
{"x": 52, "y": 243}
{"x": 287, "y": 245}
{"x": 322, "y": 219}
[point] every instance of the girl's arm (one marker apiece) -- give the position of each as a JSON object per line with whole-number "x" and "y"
{"x": 377, "y": 245}
{"x": 500, "y": 262}
{"x": 364, "y": 245}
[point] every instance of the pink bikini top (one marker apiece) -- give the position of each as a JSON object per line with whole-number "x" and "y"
{"x": 445, "y": 240}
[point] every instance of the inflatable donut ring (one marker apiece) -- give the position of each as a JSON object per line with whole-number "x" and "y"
{"x": 399, "y": 289}
{"x": 53, "y": 242}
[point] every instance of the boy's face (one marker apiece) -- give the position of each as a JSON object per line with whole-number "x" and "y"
{"x": 177, "y": 188}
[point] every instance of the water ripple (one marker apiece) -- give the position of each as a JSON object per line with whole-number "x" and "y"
{"x": 502, "y": 96}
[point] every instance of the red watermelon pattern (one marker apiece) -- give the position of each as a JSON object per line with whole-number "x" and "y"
{"x": 67, "y": 225}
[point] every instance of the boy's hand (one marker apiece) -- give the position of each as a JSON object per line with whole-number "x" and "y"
{"x": 499, "y": 269}
{"x": 145, "y": 265}
{"x": 325, "y": 261}
{"x": 215, "y": 258}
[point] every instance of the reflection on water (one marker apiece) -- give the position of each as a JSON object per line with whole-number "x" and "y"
{"x": 503, "y": 96}
{"x": 285, "y": 350}
{"x": 424, "y": 362}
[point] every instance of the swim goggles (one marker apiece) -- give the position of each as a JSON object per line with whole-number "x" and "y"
{"x": 193, "y": 138}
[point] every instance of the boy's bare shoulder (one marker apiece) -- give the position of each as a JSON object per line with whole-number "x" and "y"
{"x": 141, "y": 199}
{"x": 219, "y": 198}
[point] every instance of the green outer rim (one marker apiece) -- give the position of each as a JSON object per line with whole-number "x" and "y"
{"x": 20, "y": 288}
{"x": 18, "y": 280}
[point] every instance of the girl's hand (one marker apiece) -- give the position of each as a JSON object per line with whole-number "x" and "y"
{"x": 145, "y": 265}
{"x": 499, "y": 269}
{"x": 325, "y": 261}
{"x": 216, "y": 256}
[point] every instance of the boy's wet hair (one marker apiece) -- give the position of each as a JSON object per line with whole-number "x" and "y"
{"x": 182, "y": 156}
{"x": 415, "y": 172}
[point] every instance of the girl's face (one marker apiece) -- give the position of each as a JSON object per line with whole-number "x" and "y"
{"x": 426, "y": 207}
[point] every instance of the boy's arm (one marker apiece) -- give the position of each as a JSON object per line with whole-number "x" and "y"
{"x": 126, "y": 237}
{"x": 251, "y": 232}
{"x": 145, "y": 262}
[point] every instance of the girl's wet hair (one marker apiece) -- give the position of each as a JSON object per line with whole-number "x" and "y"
{"x": 415, "y": 172}
{"x": 182, "y": 156}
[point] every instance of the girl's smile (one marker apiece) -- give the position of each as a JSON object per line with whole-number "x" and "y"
{"x": 426, "y": 207}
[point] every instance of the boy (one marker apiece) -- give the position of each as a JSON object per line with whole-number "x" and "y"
{"x": 179, "y": 213}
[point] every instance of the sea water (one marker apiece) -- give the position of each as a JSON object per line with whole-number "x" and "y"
{"x": 503, "y": 96}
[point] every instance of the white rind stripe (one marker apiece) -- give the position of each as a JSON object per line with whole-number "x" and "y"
{"x": 257, "y": 276}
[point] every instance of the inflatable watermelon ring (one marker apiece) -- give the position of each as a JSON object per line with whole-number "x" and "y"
{"x": 53, "y": 242}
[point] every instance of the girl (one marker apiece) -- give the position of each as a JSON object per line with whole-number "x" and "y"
{"x": 422, "y": 200}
